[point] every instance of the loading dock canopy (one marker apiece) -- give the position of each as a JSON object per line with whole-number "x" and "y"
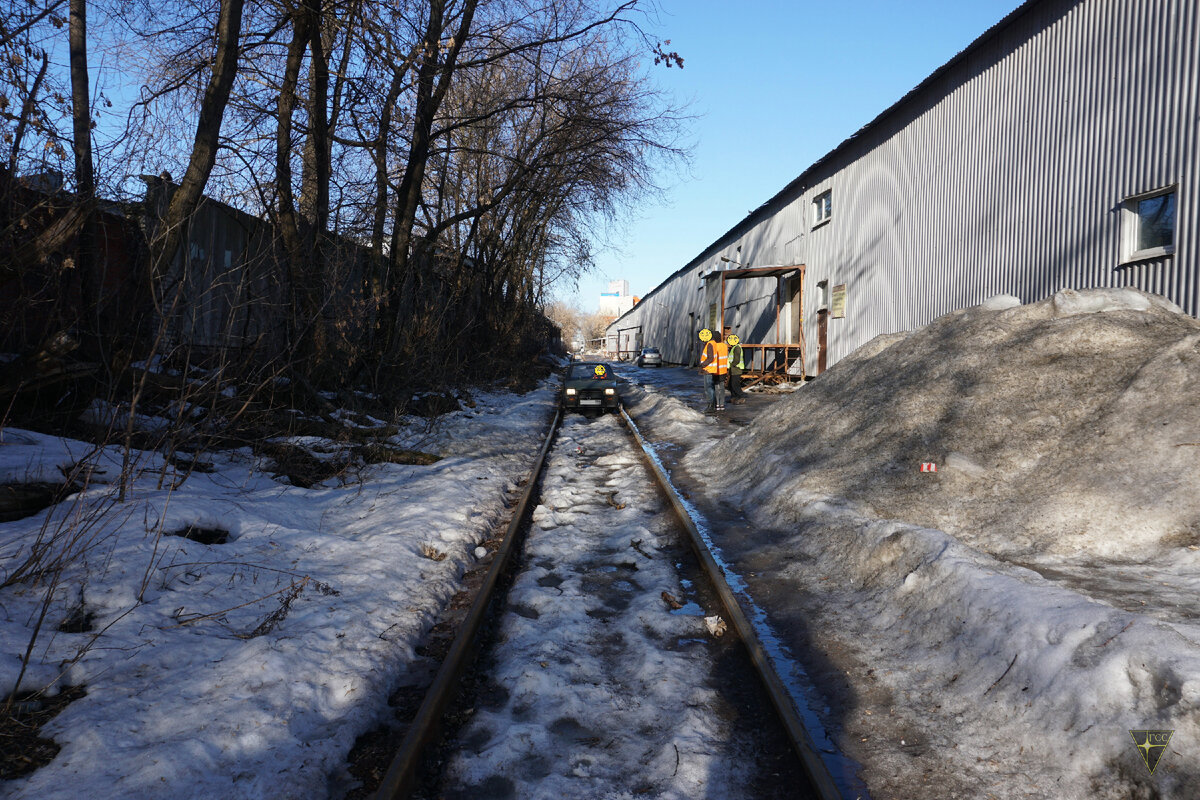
{"x": 767, "y": 361}
{"x": 753, "y": 272}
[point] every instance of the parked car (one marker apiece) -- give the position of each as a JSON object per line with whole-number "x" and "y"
{"x": 590, "y": 386}
{"x": 649, "y": 357}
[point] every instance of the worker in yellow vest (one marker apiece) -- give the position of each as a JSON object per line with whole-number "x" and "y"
{"x": 737, "y": 365}
{"x": 714, "y": 366}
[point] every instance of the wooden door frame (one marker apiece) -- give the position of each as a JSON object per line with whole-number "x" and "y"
{"x": 822, "y": 339}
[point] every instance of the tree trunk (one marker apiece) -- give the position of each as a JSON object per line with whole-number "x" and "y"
{"x": 27, "y": 109}
{"x": 314, "y": 188}
{"x": 316, "y": 198}
{"x": 432, "y": 83}
{"x": 204, "y": 150}
{"x": 289, "y": 228}
{"x": 302, "y": 233}
{"x": 381, "y": 165}
{"x": 85, "y": 179}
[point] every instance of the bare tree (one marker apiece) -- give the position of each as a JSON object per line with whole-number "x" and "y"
{"x": 434, "y": 74}
{"x": 208, "y": 130}
{"x": 85, "y": 175}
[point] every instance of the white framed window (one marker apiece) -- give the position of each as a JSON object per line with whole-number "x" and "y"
{"x": 822, "y": 208}
{"x": 1148, "y": 225}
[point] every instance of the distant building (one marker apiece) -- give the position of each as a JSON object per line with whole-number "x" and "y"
{"x": 1058, "y": 150}
{"x": 617, "y": 300}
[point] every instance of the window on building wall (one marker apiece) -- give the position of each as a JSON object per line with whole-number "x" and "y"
{"x": 822, "y": 207}
{"x": 1148, "y": 225}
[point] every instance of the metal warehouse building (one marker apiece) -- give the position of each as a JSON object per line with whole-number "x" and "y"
{"x": 1057, "y": 151}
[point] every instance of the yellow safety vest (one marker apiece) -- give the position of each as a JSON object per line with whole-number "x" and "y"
{"x": 720, "y": 365}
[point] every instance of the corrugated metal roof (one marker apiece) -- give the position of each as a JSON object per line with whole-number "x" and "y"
{"x": 802, "y": 181}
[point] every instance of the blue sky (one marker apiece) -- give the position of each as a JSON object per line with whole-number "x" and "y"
{"x": 775, "y": 85}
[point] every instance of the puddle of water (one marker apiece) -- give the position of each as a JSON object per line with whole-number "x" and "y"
{"x": 689, "y": 609}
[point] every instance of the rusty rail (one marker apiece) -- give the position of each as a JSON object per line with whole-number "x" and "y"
{"x": 781, "y": 698}
{"x": 402, "y": 773}
{"x": 401, "y": 776}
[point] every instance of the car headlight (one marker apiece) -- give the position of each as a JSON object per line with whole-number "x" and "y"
{"x": 610, "y": 391}
{"x": 570, "y": 392}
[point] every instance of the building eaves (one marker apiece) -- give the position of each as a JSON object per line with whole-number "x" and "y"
{"x": 803, "y": 181}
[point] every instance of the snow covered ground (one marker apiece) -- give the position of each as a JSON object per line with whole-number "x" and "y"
{"x": 1002, "y": 624}
{"x": 247, "y": 669}
{"x": 597, "y": 687}
{"x": 992, "y": 629}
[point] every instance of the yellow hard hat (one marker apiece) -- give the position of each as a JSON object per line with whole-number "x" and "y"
{"x": 705, "y": 335}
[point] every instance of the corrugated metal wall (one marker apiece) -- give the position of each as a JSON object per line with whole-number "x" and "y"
{"x": 232, "y": 289}
{"x": 1003, "y": 173}
{"x": 227, "y": 287}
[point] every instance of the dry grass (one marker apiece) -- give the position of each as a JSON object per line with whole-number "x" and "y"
{"x": 22, "y": 750}
{"x": 432, "y": 553}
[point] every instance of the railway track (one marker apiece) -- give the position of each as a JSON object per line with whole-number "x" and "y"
{"x": 606, "y": 674}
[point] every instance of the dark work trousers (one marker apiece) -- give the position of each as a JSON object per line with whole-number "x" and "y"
{"x": 735, "y": 385}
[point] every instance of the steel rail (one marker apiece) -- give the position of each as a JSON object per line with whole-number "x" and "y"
{"x": 781, "y": 698}
{"x": 402, "y": 773}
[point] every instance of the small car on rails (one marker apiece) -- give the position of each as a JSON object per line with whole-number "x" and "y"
{"x": 649, "y": 357}
{"x": 590, "y": 386}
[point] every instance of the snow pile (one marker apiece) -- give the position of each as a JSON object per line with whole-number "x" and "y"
{"x": 672, "y": 419}
{"x": 986, "y": 660}
{"x": 1065, "y": 435}
{"x": 1055, "y": 429}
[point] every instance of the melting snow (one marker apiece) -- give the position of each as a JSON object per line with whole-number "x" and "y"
{"x": 997, "y": 626}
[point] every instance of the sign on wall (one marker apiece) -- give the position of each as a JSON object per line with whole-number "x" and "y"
{"x": 837, "y": 306}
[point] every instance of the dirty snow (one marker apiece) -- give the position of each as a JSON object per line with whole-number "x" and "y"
{"x": 244, "y": 669}
{"x": 994, "y": 628}
{"x": 1034, "y": 599}
{"x": 596, "y": 687}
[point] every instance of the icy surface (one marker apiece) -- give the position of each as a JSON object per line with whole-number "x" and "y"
{"x": 596, "y": 688}
{"x": 996, "y": 627}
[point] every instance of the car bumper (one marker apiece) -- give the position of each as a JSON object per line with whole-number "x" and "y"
{"x": 606, "y": 403}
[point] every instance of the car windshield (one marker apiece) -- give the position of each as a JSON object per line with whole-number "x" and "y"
{"x": 581, "y": 371}
{"x": 650, "y": 350}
